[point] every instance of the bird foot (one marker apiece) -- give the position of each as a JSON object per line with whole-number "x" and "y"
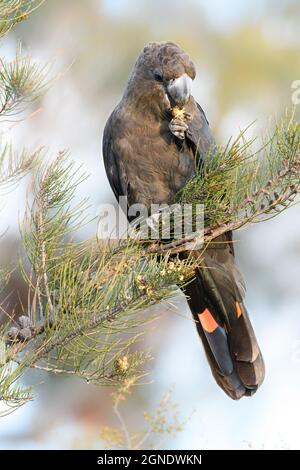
{"x": 178, "y": 128}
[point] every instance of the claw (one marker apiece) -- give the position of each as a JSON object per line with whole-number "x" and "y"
{"x": 187, "y": 116}
{"x": 180, "y": 135}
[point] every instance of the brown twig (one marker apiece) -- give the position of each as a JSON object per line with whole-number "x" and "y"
{"x": 211, "y": 233}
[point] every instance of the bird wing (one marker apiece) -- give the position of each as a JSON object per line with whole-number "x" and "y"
{"x": 116, "y": 177}
{"x": 200, "y": 136}
{"x": 216, "y": 299}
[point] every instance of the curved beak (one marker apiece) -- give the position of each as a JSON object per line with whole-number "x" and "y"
{"x": 180, "y": 89}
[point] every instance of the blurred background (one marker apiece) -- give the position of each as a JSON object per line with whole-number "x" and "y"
{"x": 247, "y": 54}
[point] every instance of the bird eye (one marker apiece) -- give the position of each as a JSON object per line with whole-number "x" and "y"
{"x": 158, "y": 77}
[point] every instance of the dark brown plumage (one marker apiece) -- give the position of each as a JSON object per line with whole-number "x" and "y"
{"x": 149, "y": 154}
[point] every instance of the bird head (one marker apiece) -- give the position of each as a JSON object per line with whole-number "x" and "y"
{"x": 164, "y": 72}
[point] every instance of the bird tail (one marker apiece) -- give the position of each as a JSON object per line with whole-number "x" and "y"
{"x": 224, "y": 327}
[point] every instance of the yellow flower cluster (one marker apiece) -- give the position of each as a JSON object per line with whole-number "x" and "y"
{"x": 122, "y": 364}
{"x": 173, "y": 267}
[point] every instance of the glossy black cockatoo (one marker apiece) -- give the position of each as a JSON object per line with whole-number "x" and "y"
{"x": 149, "y": 155}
